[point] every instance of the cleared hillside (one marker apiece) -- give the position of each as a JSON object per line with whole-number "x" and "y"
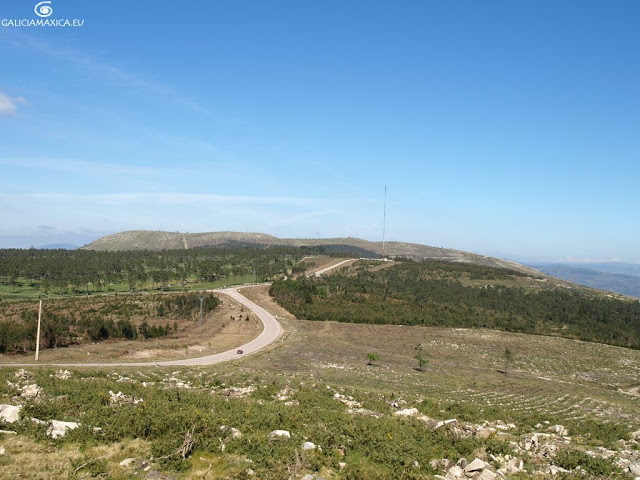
{"x": 156, "y": 240}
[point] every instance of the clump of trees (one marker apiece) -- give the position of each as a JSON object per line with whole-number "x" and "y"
{"x": 69, "y": 321}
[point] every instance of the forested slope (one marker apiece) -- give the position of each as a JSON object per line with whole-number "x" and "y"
{"x": 442, "y": 293}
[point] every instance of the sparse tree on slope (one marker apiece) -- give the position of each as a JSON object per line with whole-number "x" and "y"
{"x": 422, "y": 356}
{"x": 372, "y": 357}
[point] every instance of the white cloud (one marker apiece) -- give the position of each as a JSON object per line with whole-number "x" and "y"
{"x": 8, "y": 105}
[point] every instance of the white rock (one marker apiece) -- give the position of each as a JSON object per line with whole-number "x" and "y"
{"x": 62, "y": 374}
{"x": 2, "y": 451}
{"x": 308, "y": 446}
{"x": 513, "y": 466}
{"x": 234, "y": 432}
{"x": 487, "y": 475}
{"x": 555, "y": 470}
{"x": 407, "y": 412}
{"x": 559, "y": 429}
{"x": 634, "y": 468}
{"x": 280, "y": 433}
{"x": 454, "y": 472}
{"x": 342, "y": 465}
{"x": 31, "y": 391}
{"x": 475, "y": 466}
{"x": 10, "y": 413}
{"x": 59, "y": 428}
{"x": 308, "y": 477}
{"x": 127, "y": 462}
{"x": 446, "y": 422}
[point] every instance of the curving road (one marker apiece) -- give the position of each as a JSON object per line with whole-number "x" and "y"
{"x": 270, "y": 333}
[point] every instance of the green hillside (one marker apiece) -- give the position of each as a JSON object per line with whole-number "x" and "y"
{"x": 461, "y": 295}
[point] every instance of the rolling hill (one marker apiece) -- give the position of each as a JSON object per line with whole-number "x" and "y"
{"x": 157, "y": 240}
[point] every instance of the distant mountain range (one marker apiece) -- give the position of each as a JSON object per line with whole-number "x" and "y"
{"x": 615, "y": 277}
{"x": 158, "y": 240}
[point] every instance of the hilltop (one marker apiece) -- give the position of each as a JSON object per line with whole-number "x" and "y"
{"x": 157, "y": 240}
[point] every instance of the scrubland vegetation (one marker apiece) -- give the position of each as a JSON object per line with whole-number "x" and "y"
{"x": 78, "y": 320}
{"x": 461, "y": 295}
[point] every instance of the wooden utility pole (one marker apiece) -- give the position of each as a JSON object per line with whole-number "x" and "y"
{"x": 38, "y": 334}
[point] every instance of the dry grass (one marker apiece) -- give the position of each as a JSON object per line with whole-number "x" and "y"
{"x": 28, "y": 459}
{"x": 567, "y": 378}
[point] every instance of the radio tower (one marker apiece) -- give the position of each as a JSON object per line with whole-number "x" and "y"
{"x": 384, "y": 221}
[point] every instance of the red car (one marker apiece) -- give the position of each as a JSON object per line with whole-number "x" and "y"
{"x": 240, "y": 352}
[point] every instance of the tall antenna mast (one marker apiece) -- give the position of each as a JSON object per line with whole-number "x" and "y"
{"x": 384, "y": 221}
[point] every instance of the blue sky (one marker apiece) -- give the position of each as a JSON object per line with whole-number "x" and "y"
{"x": 505, "y": 128}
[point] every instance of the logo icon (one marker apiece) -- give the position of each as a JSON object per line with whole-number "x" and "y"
{"x": 43, "y": 9}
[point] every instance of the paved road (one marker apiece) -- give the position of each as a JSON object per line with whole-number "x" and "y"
{"x": 331, "y": 267}
{"x": 270, "y": 333}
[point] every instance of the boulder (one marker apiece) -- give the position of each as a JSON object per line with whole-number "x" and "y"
{"x": 308, "y": 446}
{"x": 280, "y": 434}
{"x": 3, "y": 451}
{"x": 513, "y": 466}
{"x": 475, "y": 466}
{"x": 634, "y": 468}
{"x": 127, "y": 462}
{"x": 10, "y": 413}
{"x": 559, "y": 430}
{"x": 407, "y": 412}
{"x": 484, "y": 432}
{"x": 555, "y": 470}
{"x": 31, "y": 391}
{"x": 462, "y": 463}
{"x": 454, "y": 472}
{"x": 487, "y": 475}
{"x": 59, "y": 428}
{"x": 446, "y": 422}
{"x": 232, "y": 432}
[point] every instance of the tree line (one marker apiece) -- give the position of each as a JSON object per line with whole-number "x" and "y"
{"x": 69, "y": 271}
